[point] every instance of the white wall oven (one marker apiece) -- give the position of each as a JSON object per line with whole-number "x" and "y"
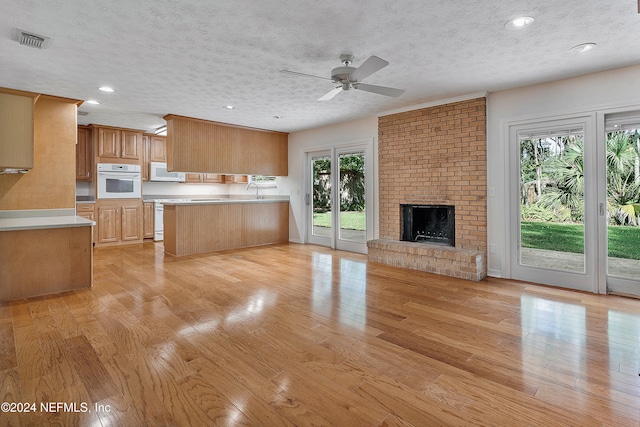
{"x": 119, "y": 181}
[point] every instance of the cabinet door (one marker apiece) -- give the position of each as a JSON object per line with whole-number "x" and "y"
{"x": 108, "y": 224}
{"x": 131, "y": 145}
{"x": 108, "y": 143}
{"x": 131, "y": 222}
{"x": 193, "y": 178}
{"x": 148, "y": 220}
{"x": 212, "y": 178}
{"x": 83, "y": 155}
{"x": 157, "y": 149}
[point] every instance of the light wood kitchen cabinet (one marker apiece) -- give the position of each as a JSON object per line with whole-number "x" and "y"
{"x": 87, "y": 210}
{"x": 204, "y": 178}
{"x": 119, "y": 221}
{"x": 157, "y": 149}
{"x": 201, "y": 145}
{"x": 84, "y": 158}
{"x": 236, "y": 179}
{"x": 115, "y": 145}
{"x": 148, "y": 220}
{"x": 16, "y": 129}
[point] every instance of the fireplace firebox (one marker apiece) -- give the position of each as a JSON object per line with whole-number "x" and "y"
{"x": 428, "y": 224}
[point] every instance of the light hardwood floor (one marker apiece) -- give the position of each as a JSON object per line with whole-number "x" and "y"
{"x": 302, "y": 335}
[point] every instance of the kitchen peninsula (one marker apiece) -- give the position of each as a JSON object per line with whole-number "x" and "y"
{"x": 200, "y": 226}
{"x": 44, "y": 254}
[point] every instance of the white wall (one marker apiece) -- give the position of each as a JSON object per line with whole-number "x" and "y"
{"x": 317, "y": 139}
{"x": 591, "y": 93}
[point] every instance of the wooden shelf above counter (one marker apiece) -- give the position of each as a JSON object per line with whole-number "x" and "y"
{"x": 205, "y": 146}
{"x": 193, "y": 227}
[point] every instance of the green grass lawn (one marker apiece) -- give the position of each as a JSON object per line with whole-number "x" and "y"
{"x": 348, "y": 220}
{"x": 624, "y": 242}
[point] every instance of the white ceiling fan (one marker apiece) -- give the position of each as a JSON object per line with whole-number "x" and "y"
{"x": 350, "y": 77}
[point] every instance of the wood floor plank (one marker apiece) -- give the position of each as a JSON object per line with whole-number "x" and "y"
{"x": 293, "y": 334}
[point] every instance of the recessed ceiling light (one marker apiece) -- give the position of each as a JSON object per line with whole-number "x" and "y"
{"x": 582, "y": 48}
{"x": 519, "y": 22}
{"x": 106, "y": 89}
{"x": 92, "y": 101}
{"x": 229, "y": 107}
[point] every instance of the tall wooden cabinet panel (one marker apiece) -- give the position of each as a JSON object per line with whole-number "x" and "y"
{"x": 119, "y": 221}
{"x": 145, "y": 158}
{"x": 84, "y": 155}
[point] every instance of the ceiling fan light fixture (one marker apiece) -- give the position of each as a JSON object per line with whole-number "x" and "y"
{"x": 519, "y": 22}
{"x": 583, "y": 48}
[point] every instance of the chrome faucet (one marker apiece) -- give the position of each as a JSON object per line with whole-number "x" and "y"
{"x": 257, "y": 189}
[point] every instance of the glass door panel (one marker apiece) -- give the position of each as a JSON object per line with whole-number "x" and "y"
{"x": 552, "y": 199}
{"x": 622, "y": 163}
{"x": 321, "y": 230}
{"x": 352, "y": 220}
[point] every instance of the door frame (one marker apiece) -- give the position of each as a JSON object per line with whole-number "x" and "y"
{"x": 605, "y": 282}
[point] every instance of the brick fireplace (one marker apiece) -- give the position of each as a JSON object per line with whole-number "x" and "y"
{"x": 434, "y": 156}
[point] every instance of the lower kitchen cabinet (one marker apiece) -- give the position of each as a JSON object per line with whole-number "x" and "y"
{"x": 119, "y": 221}
{"x": 148, "y": 220}
{"x": 87, "y": 210}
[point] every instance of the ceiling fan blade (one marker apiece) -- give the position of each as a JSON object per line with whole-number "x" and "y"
{"x": 333, "y": 92}
{"x": 295, "y": 73}
{"x": 367, "y": 68}
{"x": 381, "y": 90}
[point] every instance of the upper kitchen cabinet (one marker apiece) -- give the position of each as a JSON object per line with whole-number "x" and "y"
{"x": 205, "y": 146}
{"x": 157, "y": 149}
{"x": 115, "y": 145}
{"x": 16, "y": 129}
{"x": 84, "y": 158}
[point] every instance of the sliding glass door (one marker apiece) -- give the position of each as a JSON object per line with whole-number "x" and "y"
{"x": 337, "y": 197}
{"x": 620, "y": 228}
{"x": 575, "y": 209}
{"x": 553, "y": 195}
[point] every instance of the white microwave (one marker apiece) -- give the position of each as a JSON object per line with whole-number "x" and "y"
{"x": 159, "y": 172}
{"x": 118, "y": 181}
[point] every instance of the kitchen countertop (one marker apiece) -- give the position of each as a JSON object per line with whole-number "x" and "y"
{"x": 39, "y": 219}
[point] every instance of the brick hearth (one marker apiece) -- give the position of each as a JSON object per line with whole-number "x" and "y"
{"x": 434, "y": 156}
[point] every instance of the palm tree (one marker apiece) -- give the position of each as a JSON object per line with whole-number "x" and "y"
{"x": 623, "y": 183}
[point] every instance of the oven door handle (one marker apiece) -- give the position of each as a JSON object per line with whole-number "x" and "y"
{"x": 119, "y": 175}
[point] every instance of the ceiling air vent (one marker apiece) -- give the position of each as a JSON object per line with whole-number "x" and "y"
{"x": 31, "y": 39}
{"x": 83, "y": 113}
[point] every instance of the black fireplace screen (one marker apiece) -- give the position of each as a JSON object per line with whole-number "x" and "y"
{"x": 429, "y": 224}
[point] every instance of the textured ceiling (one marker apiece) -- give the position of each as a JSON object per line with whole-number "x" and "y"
{"x": 193, "y": 57}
